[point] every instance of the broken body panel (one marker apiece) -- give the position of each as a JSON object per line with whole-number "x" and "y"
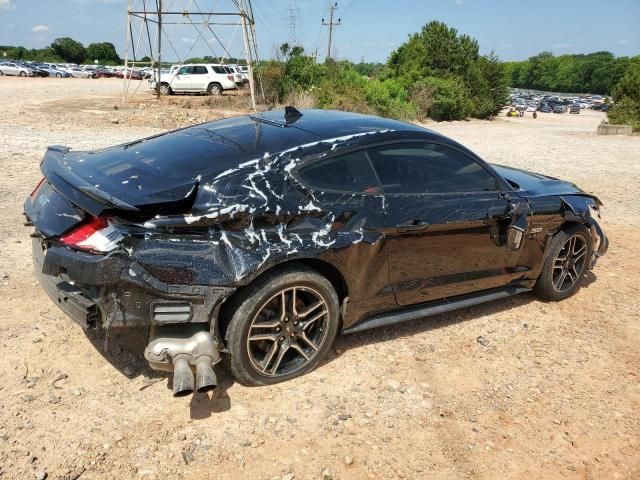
{"x": 202, "y": 211}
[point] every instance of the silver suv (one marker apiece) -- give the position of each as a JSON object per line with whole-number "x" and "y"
{"x": 198, "y": 78}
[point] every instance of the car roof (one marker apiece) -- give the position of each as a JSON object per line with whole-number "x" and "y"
{"x": 210, "y": 148}
{"x": 328, "y": 124}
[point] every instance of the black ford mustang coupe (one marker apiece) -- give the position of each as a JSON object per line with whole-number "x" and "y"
{"x": 260, "y": 237}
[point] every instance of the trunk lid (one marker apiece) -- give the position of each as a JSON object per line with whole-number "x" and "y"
{"x": 158, "y": 175}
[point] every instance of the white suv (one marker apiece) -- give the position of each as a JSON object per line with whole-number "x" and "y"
{"x": 198, "y": 78}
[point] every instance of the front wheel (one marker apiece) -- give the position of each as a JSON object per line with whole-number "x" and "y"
{"x": 23, "y": 74}
{"x": 565, "y": 264}
{"x": 165, "y": 89}
{"x": 281, "y": 326}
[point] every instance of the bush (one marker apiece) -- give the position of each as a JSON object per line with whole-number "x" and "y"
{"x": 389, "y": 99}
{"x": 449, "y": 98}
{"x": 625, "y": 112}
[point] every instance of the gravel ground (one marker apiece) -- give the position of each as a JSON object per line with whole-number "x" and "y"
{"x": 513, "y": 389}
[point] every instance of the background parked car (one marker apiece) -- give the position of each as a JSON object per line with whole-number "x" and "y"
{"x": 52, "y": 70}
{"x": 130, "y": 73}
{"x": 11, "y": 68}
{"x": 575, "y": 108}
{"x": 78, "y": 72}
{"x": 198, "y": 78}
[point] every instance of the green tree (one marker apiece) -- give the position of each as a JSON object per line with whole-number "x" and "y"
{"x": 103, "y": 52}
{"x": 626, "y": 109}
{"x": 68, "y": 49}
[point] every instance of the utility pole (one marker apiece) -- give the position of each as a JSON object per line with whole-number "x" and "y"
{"x": 159, "y": 66}
{"x": 331, "y": 24}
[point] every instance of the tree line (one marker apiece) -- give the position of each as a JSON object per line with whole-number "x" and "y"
{"x": 66, "y": 50}
{"x": 596, "y": 73}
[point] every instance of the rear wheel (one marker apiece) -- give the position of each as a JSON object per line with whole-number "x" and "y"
{"x": 565, "y": 265}
{"x": 214, "y": 89}
{"x": 281, "y": 326}
{"x": 23, "y": 74}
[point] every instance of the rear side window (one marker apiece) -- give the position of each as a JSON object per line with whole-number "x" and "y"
{"x": 429, "y": 168}
{"x": 200, "y": 70}
{"x": 218, "y": 70}
{"x": 348, "y": 173}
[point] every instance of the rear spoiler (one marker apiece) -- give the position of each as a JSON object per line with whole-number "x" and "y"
{"x": 75, "y": 189}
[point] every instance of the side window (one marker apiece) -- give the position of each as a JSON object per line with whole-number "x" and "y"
{"x": 429, "y": 168}
{"x": 348, "y": 173}
{"x": 219, "y": 70}
{"x": 199, "y": 70}
{"x": 184, "y": 71}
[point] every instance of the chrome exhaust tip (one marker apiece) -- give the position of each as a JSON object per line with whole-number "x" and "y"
{"x": 205, "y": 376}
{"x": 182, "y": 377}
{"x": 180, "y": 349}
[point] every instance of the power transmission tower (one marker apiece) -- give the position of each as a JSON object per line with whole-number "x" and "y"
{"x": 331, "y": 24}
{"x": 148, "y": 34}
{"x": 294, "y": 15}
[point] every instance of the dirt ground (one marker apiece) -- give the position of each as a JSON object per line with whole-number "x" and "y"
{"x": 552, "y": 390}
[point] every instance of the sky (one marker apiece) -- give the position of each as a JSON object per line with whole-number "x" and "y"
{"x": 369, "y": 29}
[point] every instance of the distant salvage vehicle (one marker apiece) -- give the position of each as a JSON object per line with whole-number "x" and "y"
{"x": 575, "y": 108}
{"x": 11, "y": 68}
{"x": 197, "y": 78}
{"x": 261, "y": 237}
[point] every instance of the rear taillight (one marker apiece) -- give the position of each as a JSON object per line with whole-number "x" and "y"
{"x": 35, "y": 190}
{"x": 230, "y": 77}
{"x": 97, "y": 235}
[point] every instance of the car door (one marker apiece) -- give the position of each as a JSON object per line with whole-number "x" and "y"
{"x": 11, "y": 69}
{"x": 450, "y": 216}
{"x": 199, "y": 78}
{"x": 182, "y": 81}
{"x": 346, "y": 189}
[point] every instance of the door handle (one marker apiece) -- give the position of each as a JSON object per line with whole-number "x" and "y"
{"x": 412, "y": 225}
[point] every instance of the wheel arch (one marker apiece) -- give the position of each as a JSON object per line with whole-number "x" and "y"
{"x": 324, "y": 268}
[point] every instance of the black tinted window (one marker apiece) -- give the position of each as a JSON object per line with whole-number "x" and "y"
{"x": 429, "y": 168}
{"x": 199, "y": 70}
{"x": 348, "y": 173}
{"x": 218, "y": 69}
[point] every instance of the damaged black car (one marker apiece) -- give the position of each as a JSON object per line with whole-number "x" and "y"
{"x": 261, "y": 237}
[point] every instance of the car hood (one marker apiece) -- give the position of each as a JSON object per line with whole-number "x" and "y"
{"x": 533, "y": 184}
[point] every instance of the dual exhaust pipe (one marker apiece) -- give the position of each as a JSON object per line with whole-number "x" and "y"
{"x": 181, "y": 349}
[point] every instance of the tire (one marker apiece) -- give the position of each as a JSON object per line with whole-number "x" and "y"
{"x": 165, "y": 89}
{"x": 550, "y": 285}
{"x": 214, "y": 89}
{"x": 259, "y": 361}
{"x": 23, "y": 74}
{"x": 58, "y": 75}
{"x": 1, "y": 74}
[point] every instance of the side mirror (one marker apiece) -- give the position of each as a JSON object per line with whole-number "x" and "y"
{"x": 514, "y": 237}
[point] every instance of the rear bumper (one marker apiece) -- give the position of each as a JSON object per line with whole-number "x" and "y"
{"x": 116, "y": 291}
{"x": 69, "y": 299}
